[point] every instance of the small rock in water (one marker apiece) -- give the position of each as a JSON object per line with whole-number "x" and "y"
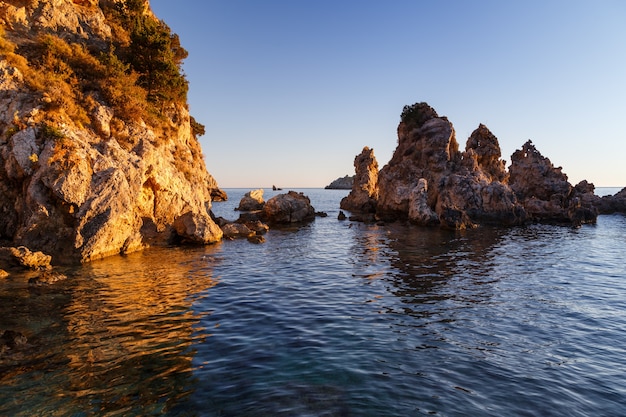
{"x": 47, "y": 278}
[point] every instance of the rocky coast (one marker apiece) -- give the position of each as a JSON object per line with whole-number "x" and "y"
{"x": 94, "y": 161}
{"x": 99, "y": 154}
{"x": 430, "y": 181}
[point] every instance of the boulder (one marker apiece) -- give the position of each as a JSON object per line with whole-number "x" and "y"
{"x": 236, "y": 230}
{"x": 362, "y": 197}
{"x": 22, "y": 257}
{"x": 218, "y": 194}
{"x": 252, "y": 201}
{"x": 194, "y": 228}
{"x": 292, "y": 207}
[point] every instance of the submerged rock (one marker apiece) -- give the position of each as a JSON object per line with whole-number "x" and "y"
{"x": 47, "y": 278}
{"x": 236, "y": 230}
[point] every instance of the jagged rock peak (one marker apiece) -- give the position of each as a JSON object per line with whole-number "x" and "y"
{"x": 364, "y": 193}
{"x": 483, "y": 149}
{"x": 428, "y": 181}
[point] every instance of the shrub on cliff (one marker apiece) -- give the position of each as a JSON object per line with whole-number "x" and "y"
{"x": 138, "y": 74}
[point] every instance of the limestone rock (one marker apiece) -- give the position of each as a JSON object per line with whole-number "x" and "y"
{"x": 429, "y": 181}
{"x": 545, "y": 191}
{"x": 344, "y": 183}
{"x": 47, "y": 278}
{"x": 197, "y": 228}
{"x": 362, "y": 197}
{"x": 419, "y": 210}
{"x": 83, "y": 190}
{"x": 236, "y": 230}
{"x": 611, "y": 203}
{"x": 23, "y": 257}
{"x": 252, "y": 201}
{"x": 78, "y": 20}
{"x": 291, "y": 207}
{"x": 483, "y": 150}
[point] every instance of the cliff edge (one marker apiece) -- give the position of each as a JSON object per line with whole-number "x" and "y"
{"x": 98, "y": 152}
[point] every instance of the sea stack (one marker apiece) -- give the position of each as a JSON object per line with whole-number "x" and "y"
{"x": 430, "y": 181}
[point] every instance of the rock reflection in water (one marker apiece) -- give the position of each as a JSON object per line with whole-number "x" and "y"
{"x": 429, "y": 262}
{"x": 125, "y": 347}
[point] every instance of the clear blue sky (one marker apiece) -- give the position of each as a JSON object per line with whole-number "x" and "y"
{"x": 291, "y": 90}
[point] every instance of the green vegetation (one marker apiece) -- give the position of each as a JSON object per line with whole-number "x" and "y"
{"x": 138, "y": 74}
{"x": 417, "y": 113}
{"x": 152, "y": 51}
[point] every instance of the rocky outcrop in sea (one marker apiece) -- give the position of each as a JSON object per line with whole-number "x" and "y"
{"x": 93, "y": 162}
{"x": 343, "y": 183}
{"x": 430, "y": 181}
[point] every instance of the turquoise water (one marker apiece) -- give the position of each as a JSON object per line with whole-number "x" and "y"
{"x": 331, "y": 319}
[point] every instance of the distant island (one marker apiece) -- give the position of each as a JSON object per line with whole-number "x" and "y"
{"x": 343, "y": 183}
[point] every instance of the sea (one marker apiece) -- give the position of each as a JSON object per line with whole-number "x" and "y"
{"x": 331, "y": 318}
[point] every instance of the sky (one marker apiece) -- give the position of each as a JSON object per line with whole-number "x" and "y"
{"x": 290, "y": 91}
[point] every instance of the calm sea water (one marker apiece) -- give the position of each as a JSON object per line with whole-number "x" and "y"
{"x": 331, "y": 319}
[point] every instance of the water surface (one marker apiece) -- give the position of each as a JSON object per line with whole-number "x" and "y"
{"x": 331, "y": 319}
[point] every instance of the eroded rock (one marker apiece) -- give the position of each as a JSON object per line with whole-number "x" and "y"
{"x": 252, "y": 201}
{"x": 364, "y": 193}
{"x": 22, "y": 257}
{"x": 429, "y": 181}
{"x": 292, "y": 207}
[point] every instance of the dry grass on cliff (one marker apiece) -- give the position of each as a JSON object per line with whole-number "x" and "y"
{"x": 68, "y": 77}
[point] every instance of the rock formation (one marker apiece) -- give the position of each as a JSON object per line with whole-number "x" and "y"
{"x": 362, "y": 197}
{"x": 21, "y": 257}
{"x": 292, "y": 207}
{"x": 429, "y": 181}
{"x": 343, "y": 183}
{"x": 544, "y": 190}
{"x": 611, "y": 203}
{"x": 92, "y": 161}
{"x": 252, "y": 201}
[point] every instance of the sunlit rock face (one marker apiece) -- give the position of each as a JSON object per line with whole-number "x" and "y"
{"x": 429, "y": 181}
{"x": 364, "y": 192}
{"x": 292, "y": 207}
{"x": 85, "y": 189}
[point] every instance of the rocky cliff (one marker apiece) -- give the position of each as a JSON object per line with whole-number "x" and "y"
{"x": 98, "y": 153}
{"x": 429, "y": 180}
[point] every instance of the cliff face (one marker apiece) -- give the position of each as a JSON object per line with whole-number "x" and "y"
{"x": 90, "y": 168}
